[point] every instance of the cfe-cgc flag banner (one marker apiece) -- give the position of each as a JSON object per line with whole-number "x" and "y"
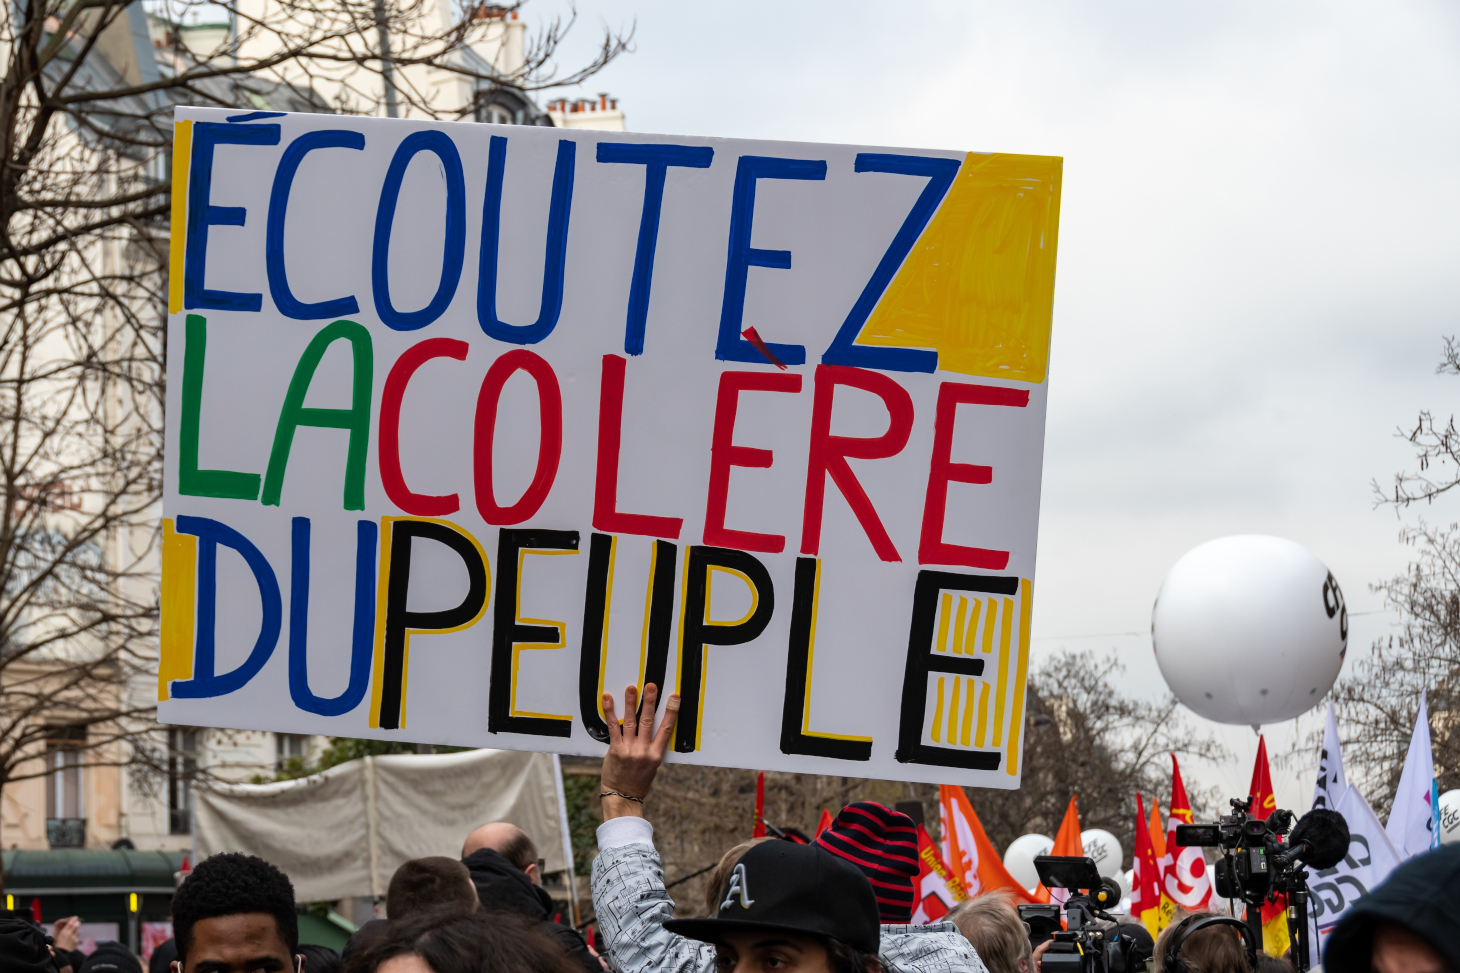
{"x": 468, "y": 423}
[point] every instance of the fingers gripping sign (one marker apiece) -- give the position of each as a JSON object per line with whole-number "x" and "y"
{"x": 635, "y": 750}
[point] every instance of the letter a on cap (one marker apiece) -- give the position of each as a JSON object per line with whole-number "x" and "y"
{"x": 738, "y": 886}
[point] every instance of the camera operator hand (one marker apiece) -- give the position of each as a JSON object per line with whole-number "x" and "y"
{"x": 1039, "y": 952}
{"x": 635, "y": 750}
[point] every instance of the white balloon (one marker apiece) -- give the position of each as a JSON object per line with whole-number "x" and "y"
{"x": 1249, "y": 629}
{"x": 1450, "y": 817}
{"x": 1019, "y": 858}
{"x": 1104, "y": 847}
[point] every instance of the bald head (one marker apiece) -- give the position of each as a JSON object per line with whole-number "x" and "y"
{"x": 507, "y": 840}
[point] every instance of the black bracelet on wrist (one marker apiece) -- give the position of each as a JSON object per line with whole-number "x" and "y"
{"x": 636, "y": 800}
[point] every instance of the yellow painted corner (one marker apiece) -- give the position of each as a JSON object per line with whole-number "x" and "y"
{"x": 182, "y": 144}
{"x": 978, "y": 287}
{"x": 179, "y": 595}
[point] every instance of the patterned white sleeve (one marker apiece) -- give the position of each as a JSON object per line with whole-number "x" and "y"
{"x": 632, "y": 906}
{"x": 937, "y": 947}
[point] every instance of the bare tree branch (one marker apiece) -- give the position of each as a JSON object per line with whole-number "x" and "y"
{"x": 85, "y": 185}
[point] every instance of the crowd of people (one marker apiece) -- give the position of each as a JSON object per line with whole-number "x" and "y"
{"x": 840, "y": 904}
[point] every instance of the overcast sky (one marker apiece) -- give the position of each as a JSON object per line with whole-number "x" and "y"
{"x": 1257, "y": 263}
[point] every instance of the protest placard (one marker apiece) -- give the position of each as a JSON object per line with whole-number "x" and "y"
{"x": 468, "y": 423}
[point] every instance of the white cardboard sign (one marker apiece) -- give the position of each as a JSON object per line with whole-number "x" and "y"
{"x": 467, "y": 423}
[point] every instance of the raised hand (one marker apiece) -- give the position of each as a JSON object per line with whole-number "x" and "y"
{"x": 66, "y": 933}
{"x": 635, "y": 750}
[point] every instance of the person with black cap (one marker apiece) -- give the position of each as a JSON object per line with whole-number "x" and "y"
{"x": 110, "y": 957}
{"x": 635, "y": 913}
{"x": 791, "y": 907}
{"x": 1409, "y": 924}
{"x": 161, "y": 959}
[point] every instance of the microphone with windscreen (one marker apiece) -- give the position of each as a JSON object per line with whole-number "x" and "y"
{"x": 1319, "y": 840}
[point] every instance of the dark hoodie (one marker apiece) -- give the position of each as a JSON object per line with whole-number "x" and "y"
{"x": 23, "y": 947}
{"x": 1422, "y": 895}
{"x": 503, "y": 887}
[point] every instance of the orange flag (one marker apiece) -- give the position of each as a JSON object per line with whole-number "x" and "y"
{"x": 938, "y": 888}
{"x": 1275, "y": 940}
{"x": 824, "y": 823}
{"x": 967, "y": 850}
{"x": 1158, "y": 849}
{"x": 1183, "y": 870}
{"x": 1145, "y": 894}
{"x": 1066, "y": 842}
{"x": 1158, "y": 833}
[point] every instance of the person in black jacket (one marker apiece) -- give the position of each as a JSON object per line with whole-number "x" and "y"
{"x": 504, "y": 867}
{"x": 1409, "y": 922}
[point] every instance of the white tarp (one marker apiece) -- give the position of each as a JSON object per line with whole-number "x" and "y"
{"x": 344, "y": 832}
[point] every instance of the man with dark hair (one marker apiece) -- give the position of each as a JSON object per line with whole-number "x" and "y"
{"x": 320, "y": 959}
{"x": 423, "y": 884}
{"x": 795, "y": 907}
{"x": 235, "y": 914}
{"x": 503, "y": 864}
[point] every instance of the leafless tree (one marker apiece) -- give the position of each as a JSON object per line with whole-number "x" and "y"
{"x": 1437, "y": 447}
{"x": 1087, "y": 736}
{"x": 87, "y": 92}
{"x": 1378, "y": 700}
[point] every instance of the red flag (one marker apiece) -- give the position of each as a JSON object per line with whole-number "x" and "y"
{"x": 967, "y": 850}
{"x": 1184, "y": 870}
{"x": 1066, "y": 842}
{"x": 1145, "y": 894}
{"x": 938, "y": 888}
{"x": 1275, "y": 940}
{"x": 759, "y": 830}
{"x": 1263, "y": 800}
{"x": 35, "y": 909}
{"x": 824, "y": 823}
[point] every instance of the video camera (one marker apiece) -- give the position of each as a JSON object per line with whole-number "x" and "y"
{"x": 1259, "y": 861}
{"x": 1083, "y": 947}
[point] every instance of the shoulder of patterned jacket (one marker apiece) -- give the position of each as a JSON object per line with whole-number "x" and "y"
{"x": 632, "y": 904}
{"x": 937, "y": 947}
{"x": 610, "y": 856}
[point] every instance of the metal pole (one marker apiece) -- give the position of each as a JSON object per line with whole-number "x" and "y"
{"x": 567, "y": 836}
{"x": 387, "y": 69}
{"x": 1298, "y": 926}
{"x": 1254, "y": 922}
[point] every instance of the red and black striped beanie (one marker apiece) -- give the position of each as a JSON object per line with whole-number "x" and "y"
{"x": 883, "y": 843}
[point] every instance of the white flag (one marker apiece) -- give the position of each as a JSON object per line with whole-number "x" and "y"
{"x": 1370, "y": 859}
{"x": 1412, "y": 818}
{"x": 1331, "y": 782}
